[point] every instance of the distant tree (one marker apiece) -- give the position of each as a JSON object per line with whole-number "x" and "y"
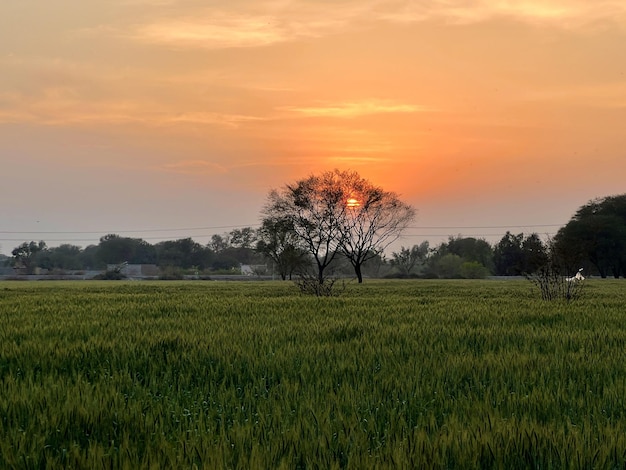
{"x": 407, "y": 259}
{"x": 231, "y": 258}
{"x": 114, "y": 249}
{"x": 219, "y": 242}
{"x": 596, "y": 234}
{"x": 377, "y": 266}
{"x": 446, "y": 259}
{"x": 449, "y": 265}
{"x": 516, "y": 255}
{"x": 89, "y": 258}
{"x": 471, "y": 249}
{"x": 65, "y": 256}
{"x": 278, "y": 241}
{"x": 25, "y": 255}
{"x": 535, "y": 253}
{"x": 243, "y": 238}
{"x": 226, "y": 259}
{"x": 43, "y": 260}
{"x": 240, "y": 256}
{"x": 183, "y": 253}
{"x": 508, "y": 255}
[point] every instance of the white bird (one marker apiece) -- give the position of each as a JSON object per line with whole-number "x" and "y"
{"x": 578, "y": 277}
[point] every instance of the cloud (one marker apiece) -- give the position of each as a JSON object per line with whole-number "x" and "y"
{"x": 66, "y": 113}
{"x": 218, "y": 31}
{"x": 255, "y": 26}
{"x": 58, "y": 92}
{"x": 564, "y": 13}
{"x": 151, "y": 3}
{"x": 221, "y": 119}
{"x": 355, "y": 109}
{"x": 357, "y": 159}
{"x": 265, "y": 24}
{"x": 63, "y": 106}
{"x": 194, "y": 167}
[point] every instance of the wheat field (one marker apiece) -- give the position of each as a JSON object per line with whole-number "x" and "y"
{"x": 388, "y": 374}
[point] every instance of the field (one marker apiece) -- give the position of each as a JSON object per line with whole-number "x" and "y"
{"x": 391, "y": 374}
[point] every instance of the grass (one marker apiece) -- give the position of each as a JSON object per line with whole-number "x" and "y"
{"x": 392, "y": 374}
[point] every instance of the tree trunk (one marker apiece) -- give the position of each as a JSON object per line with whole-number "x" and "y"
{"x": 320, "y": 274}
{"x": 359, "y": 274}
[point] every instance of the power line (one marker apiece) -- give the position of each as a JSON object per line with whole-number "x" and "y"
{"x": 221, "y": 227}
{"x": 97, "y": 238}
{"x": 446, "y": 227}
{"x": 39, "y": 232}
{"x": 404, "y": 235}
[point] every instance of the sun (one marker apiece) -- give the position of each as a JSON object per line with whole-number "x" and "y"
{"x": 353, "y": 202}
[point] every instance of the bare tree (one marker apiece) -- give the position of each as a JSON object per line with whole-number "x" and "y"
{"x": 553, "y": 285}
{"x": 552, "y": 277}
{"x": 315, "y": 208}
{"x": 375, "y": 218}
{"x": 340, "y": 213}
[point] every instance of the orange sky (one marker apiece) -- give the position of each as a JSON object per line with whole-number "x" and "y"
{"x": 136, "y": 116}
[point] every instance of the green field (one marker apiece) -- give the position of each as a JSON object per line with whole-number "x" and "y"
{"x": 390, "y": 374}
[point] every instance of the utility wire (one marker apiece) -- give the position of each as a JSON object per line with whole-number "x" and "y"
{"x": 100, "y": 233}
{"x": 220, "y": 227}
{"x": 465, "y": 235}
{"x": 486, "y": 226}
{"x": 125, "y": 231}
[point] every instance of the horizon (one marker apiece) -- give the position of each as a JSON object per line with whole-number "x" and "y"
{"x": 169, "y": 120}
{"x": 396, "y": 245}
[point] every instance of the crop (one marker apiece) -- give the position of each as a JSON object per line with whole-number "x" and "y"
{"x": 390, "y": 374}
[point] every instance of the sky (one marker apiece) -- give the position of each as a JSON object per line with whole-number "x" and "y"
{"x": 167, "y": 119}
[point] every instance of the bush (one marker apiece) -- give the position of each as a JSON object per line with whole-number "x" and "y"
{"x": 553, "y": 285}
{"x": 310, "y": 285}
{"x": 474, "y": 270}
{"x": 171, "y": 273}
{"x": 110, "y": 276}
{"x": 449, "y": 266}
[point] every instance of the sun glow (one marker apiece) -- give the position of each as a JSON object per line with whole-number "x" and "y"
{"x": 353, "y": 202}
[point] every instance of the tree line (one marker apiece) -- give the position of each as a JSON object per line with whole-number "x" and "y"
{"x": 339, "y": 224}
{"x": 224, "y": 252}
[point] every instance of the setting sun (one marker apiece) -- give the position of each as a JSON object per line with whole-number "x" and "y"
{"x": 353, "y": 202}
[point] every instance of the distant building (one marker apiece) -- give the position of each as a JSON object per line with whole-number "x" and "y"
{"x": 253, "y": 269}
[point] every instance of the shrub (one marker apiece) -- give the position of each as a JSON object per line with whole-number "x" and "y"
{"x": 474, "y": 270}
{"x": 311, "y": 285}
{"x": 110, "y": 276}
{"x": 553, "y": 285}
{"x": 171, "y": 273}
